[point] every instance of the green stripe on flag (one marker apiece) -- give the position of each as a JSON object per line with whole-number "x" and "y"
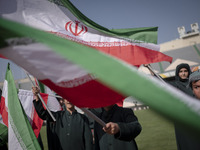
{"x": 146, "y": 34}
{"x": 113, "y": 73}
{"x": 42, "y": 87}
{"x": 17, "y": 117}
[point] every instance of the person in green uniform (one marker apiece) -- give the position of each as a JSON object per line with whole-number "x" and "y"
{"x": 122, "y": 127}
{"x": 71, "y": 129}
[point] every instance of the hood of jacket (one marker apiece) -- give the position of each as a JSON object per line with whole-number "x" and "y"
{"x": 178, "y": 68}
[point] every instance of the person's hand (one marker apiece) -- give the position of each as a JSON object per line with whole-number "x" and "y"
{"x": 36, "y": 91}
{"x": 111, "y": 128}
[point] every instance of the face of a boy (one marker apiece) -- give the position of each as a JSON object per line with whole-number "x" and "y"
{"x": 68, "y": 104}
{"x": 196, "y": 89}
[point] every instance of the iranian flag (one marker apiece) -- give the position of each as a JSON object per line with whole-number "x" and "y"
{"x": 20, "y": 132}
{"x": 89, "y": 78}
{"x": 26, "y": 98}
{"x": 135, "y": 46}
{"x": 52, "y": 102}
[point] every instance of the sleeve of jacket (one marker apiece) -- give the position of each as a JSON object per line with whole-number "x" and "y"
{"x": 87, "y": 134}
{"x": 130, "y": 127}
{"x": 42, "y": 113}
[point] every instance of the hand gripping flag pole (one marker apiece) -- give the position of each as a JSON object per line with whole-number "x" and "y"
{"x": 53, "y": 118}
{"x": 56, "y": 96}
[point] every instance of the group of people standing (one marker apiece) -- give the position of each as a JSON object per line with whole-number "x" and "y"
{"x": 72, "y": 130}
{"x": 188, "y": 83}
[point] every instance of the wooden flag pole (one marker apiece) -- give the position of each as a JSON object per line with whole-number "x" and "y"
{"x": 93, "y": 116}
{"x": 151, "y": 70}
{"x": 53, "y": 118}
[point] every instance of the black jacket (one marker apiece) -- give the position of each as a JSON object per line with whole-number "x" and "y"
{"x": 70, "y": 131}
{"x": 181, "y": 84}
{"x": 184, "y": 139}
{"x": 129, "y": 130}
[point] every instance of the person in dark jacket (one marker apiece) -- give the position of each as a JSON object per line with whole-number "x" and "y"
{"x": 71, "y": 129}
{"x": 184, "y": 140}
{"x": 122, "y": 127}
{"x": 182, "y": 74}
{"x": 182, "y": 78}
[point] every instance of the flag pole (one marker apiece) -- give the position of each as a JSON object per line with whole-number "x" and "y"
{"x": 93, "y": 116}
{"x": 56, "y": 96}
{"x": 53, "y": 118}
{"x": 151, "y": 70}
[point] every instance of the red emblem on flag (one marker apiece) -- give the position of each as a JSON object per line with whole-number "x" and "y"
{"x": 76, "y": 28}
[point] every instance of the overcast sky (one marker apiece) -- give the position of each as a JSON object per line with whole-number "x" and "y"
{"x": 167, "y": 15}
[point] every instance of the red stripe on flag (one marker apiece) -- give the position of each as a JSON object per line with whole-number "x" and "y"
{"x": 3, "y": 111}
{"x": 1, "y": 56}
{"x": 92, "y": 94}
{"x": 37, "y": 121}
{"x": 132, "y": 54}
{"x": 135, "y": 55}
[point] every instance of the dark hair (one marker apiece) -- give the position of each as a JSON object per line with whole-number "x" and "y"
{"x": 180, "y": 66}
{"x": 192, "y": 82}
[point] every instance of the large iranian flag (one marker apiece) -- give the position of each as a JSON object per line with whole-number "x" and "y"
{"x": 135, "y": 46}
{"x": 20, "y": 133}
{"x": 71, "y": 70}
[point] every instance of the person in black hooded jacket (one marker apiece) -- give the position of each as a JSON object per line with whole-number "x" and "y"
{"x": 184, "y": 139}
{"x": 182, "y": 78}
{"x": 182, "y": 74}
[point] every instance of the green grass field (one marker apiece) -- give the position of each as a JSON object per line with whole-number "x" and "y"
{"x": 157, "y": 132}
